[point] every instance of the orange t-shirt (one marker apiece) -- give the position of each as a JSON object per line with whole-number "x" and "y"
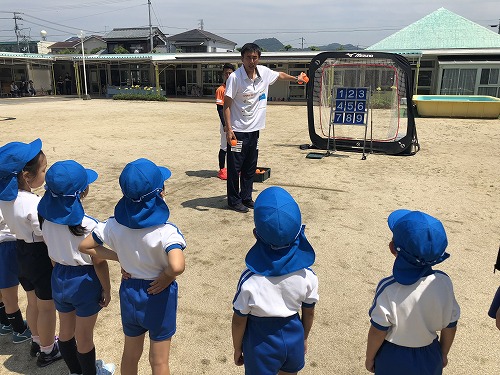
{"x": 219, "y": 94}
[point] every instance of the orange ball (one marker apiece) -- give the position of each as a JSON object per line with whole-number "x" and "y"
{"x": 257, "y": 171}
{"x": 234, "y": 142}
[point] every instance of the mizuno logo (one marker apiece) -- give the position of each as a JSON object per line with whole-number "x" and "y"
{"x": 358, "y": 55}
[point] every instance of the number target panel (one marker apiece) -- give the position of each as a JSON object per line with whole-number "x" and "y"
{"x": 350, "y": 105}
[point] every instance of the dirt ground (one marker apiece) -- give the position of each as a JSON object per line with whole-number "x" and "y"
{"x": 345, "y": 202}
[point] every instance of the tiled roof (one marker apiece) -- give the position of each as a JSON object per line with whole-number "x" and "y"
{"x": 197, "y": 35}
{"x": 131, "y": 33}
{"x": 441, "y": 29}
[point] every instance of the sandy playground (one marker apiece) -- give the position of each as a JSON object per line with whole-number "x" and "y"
{"x": 345, "y": 203}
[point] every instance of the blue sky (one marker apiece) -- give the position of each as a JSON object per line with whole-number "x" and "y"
{"x": 307, "y": 23}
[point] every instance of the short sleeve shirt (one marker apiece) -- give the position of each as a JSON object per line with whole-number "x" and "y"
{"x": 141, "y": 252}
{"x": 219, "y": 94}
{"x": 412, "y": 314}
{"x": 5, "y": 234}
{"x": 275, "y": 296}
{"x": 21, "y": 215}
{"x": 248, "y": 110}
{"x": 63, "y": 245}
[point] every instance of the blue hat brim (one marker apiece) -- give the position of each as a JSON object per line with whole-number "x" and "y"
{"x": 406, "y": 273}
{"x": 266, "y": 261}
{"x": 165, "y": 172}
{"x": 143, "y": 214}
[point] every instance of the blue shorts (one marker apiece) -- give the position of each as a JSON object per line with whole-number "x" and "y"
{"x": 273, "y": 344}
{"x": 143, "y": 312}
{"x": 392, "y": 359}
{"x": 9, "y": 271}
{"x": 76, "y": 288}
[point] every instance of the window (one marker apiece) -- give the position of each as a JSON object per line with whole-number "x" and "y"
{"x": 458, "y": 81}
{"x": 489, "y": 76}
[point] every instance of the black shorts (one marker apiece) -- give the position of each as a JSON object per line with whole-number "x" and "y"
{"x": 35, "y": 268}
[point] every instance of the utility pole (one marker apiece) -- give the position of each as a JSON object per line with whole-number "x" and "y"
{"x": 150, "y": 26}
{"x": 497, "y": 26}
{"x": 201, "y": 24}
{"x": 16, "y": 29}
{"x": 302, "y": 45}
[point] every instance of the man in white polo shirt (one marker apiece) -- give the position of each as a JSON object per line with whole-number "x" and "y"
{"x": 245, "y": 104}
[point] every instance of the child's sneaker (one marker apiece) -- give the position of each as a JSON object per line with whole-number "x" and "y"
{"x": 35, "y": 349}
{"x": 222, "y": 174}
{"x": 18, "y": 338}
{"x": 5, "y": 329}
{"x": 104, "y": 368}
{"x": 47, "y": 359}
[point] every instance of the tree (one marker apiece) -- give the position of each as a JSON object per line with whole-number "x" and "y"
{"x": 288, "y": 47}
{"x": 314, "y": 48}
{"x": 95, "y": 50}
{"x": 120, "y": 50}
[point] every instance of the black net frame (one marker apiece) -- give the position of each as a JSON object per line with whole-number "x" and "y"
{"x": 385, "y": 74}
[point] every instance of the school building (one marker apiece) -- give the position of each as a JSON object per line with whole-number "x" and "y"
{"x": 448, "y": 53}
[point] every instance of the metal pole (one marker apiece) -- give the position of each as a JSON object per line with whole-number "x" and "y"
{"x": 150, "y": 27}
{"x": 86, "y": 97}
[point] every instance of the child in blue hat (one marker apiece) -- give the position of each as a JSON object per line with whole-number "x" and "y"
{"x": 22, "y": 168}
{"x": 414, "y": 303}
{"x": 269, "y": 336}
{"x": 150, "y": 250}
{"x": 80, "y": 284}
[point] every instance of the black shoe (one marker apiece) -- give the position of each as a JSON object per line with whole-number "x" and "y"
{"x": 239, "y": 207}
{"x": 249, "y": 203}
{"x": 35, "y": 349}
{"x": 47, "y": 359}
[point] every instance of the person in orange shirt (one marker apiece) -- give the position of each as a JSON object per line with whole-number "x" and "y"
{"x": 227, "y": 69}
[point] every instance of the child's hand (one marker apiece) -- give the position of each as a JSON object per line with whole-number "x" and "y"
{"x": 160, "y": 283}
{"x": 370, "y": 365}
{"x": 125, "y": 274}
{"x": 105, "y": 298}
{"x": 305, "y": 346}
{"x": 238, "y": 357}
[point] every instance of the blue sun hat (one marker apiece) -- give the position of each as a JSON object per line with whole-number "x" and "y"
{"x": 13, "y": 158}
{"x": 65, "y": 182}
{"x": 281, "y": 246}
{"x": 420, "y": 241}
{"x": 142, "y": 206}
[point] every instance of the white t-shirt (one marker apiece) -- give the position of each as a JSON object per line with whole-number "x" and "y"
{"x": 413, "y": 313}
{"x": 141, "y": 252}
{"x": 248, "y": 110}
{"x": 63, "y": 245}
{"x": 275, "y": 296}
{"x": 21, "y": 215}
{"x": 5, "y": 234}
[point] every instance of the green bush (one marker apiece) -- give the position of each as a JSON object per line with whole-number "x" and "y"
{"x": 147, "y": 97}
{"x": 381, "y": 100}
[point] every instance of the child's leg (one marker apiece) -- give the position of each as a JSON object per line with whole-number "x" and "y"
{"x": 67, "y": 342}
{"x": 132, "y": 352}
{"x": 46, "y": 321}
{"x": 84, "y": 332}
{"x": 159, "y": 354}
{"x": 10, "y": 299}
{"x": 286, "y": 373}
{"x": 32, "y": 312}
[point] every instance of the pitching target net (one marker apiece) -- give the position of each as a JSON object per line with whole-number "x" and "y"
{"x": 350, "y": 89}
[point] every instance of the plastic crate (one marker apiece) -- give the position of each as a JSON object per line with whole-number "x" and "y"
{"x": 261, "y": 177}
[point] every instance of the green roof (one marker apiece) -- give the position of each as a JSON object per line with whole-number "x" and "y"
{"x": 441, "y": 29}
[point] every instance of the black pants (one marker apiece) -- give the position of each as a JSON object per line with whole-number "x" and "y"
{"x": 242, "y": 161}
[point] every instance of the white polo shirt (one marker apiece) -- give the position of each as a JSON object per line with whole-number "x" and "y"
{"x": 21, "y": 215}
{"x": 63, "y": 245}
{"x": 412, "y": 314}
{"x": 5, "y": 234}
{"x": 141, "y": 252}
{"x": 275, "y": 296}
{"x": 248, "y": 110}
